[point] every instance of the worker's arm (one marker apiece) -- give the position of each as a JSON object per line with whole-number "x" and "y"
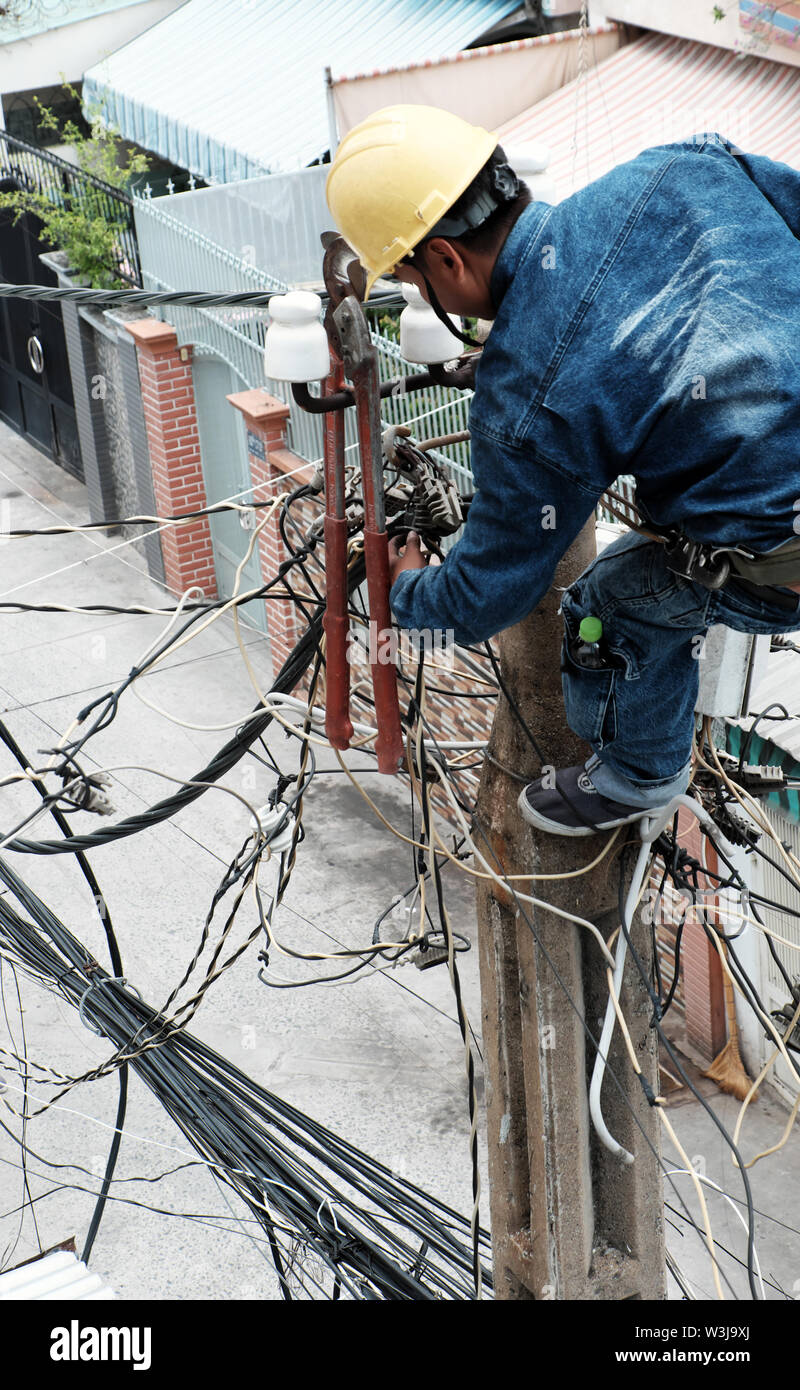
{"x": 524, "y": 515}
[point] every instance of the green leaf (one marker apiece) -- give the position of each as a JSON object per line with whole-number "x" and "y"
{"x": 81, "y": 225}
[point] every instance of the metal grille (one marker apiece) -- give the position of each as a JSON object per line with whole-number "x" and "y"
{"x": 63, "y": 184}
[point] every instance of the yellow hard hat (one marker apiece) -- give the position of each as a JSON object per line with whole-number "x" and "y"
{"x": 396, "y": 174}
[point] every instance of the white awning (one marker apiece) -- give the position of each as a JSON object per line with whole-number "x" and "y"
{"x": 486, "y": 86}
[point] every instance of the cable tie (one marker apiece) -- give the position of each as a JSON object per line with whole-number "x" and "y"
{"x": 650, "y": 1094}
{"x": 70, "y": 970}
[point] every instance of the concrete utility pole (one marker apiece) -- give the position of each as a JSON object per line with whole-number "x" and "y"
{"x": 569, "y": 1220}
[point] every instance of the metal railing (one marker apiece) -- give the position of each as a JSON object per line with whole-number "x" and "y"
{"x": 65, "y": 185}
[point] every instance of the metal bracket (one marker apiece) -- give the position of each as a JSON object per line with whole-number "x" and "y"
{"x": 697, "y": 562}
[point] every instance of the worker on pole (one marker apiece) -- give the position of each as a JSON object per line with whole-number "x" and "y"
{"x": 649, "y": 325}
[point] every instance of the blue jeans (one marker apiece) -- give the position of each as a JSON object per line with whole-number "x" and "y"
{"x": 638, "y": 714}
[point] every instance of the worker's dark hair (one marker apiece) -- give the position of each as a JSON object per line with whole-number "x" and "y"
{"x": 496, "y": 180}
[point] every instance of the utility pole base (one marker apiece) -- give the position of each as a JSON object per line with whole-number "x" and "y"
{"x": 569, "y": 1220}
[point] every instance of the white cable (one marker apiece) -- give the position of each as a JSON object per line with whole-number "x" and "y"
{"x": 114, "y": 549}
{"x": 650, "y": 827}
{"x": 172, "y": 619}
{"x": 76, "y": 784}
{"x": 184, "y": 637}
{"x": 599, "y": 1069}
{"x": 67, "y": 528}
{"x": 215, "y": 1165}
{"x": 316, "y": 714}
{"x": 101, "y": 549}
{"x": 188, "y": 782}
{"x": 233, "y": 598}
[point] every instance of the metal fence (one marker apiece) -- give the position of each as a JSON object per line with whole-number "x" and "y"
{"x": 273, "y": 221}
{"x": 65, "y": 185}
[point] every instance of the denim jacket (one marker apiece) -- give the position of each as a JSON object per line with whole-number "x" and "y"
{"x": 648, "y": 325}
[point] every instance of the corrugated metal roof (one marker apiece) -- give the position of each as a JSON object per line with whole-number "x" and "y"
{"x": 57, "y": 1275}
{"x": 657, "y": 90}
{"x": 231, "y": 90}
{"x": 488, "y": 50}
{"x": 780, "y": 686}
{"x": 25, "y": 24}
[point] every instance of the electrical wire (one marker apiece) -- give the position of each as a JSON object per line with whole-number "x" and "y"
{"x": 350, "y": 1239}
{"x": 104, "y": 1006}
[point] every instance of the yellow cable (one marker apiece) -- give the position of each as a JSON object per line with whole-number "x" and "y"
{"x": 753, "y": 1091}
{"x": 523, "y": 897}
{"x": 451, "y": 966}
{"x": 701, "y": 1198}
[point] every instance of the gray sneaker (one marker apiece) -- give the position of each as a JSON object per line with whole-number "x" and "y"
{"x": 574, "y": 806}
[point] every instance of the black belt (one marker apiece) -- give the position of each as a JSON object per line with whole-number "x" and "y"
{"x": 715, "y": 566}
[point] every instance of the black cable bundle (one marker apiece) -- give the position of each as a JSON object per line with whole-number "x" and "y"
{"x": 379, "y": 1236}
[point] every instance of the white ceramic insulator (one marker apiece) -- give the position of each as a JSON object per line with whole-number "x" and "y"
{"x": 530, "y": 163}
{"x": 296, "y": 347}
{"x": 423, "y": 337}
{"x": 269, "y": 817}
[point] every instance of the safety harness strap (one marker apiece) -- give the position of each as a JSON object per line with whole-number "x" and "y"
{"x": 713, "y": 565}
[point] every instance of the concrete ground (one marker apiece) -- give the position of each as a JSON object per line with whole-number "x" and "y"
{"x": 379, "y": 1059}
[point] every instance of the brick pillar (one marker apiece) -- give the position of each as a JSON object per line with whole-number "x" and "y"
{"x": 703, "y": 986}
{"x": 165, "y": 371}
{"x": 265, "y": 420}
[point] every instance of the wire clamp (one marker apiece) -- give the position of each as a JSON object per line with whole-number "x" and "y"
{"x": 98, "y": 984}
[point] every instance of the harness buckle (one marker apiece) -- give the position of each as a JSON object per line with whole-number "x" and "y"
{"x": 696, "y": 561}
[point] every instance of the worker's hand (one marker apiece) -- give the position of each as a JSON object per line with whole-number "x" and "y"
{"x": 409, "y": 557}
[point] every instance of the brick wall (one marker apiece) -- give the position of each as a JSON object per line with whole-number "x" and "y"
{"x": 165, "y": 372}
{"x": 696, "y": 1019}
{"x": 274, "y": 469}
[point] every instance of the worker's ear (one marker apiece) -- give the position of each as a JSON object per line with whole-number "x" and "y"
{"x": 446, "y": 256}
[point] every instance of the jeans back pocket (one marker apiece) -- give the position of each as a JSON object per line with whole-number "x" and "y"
{"x": 589, "y": 695}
